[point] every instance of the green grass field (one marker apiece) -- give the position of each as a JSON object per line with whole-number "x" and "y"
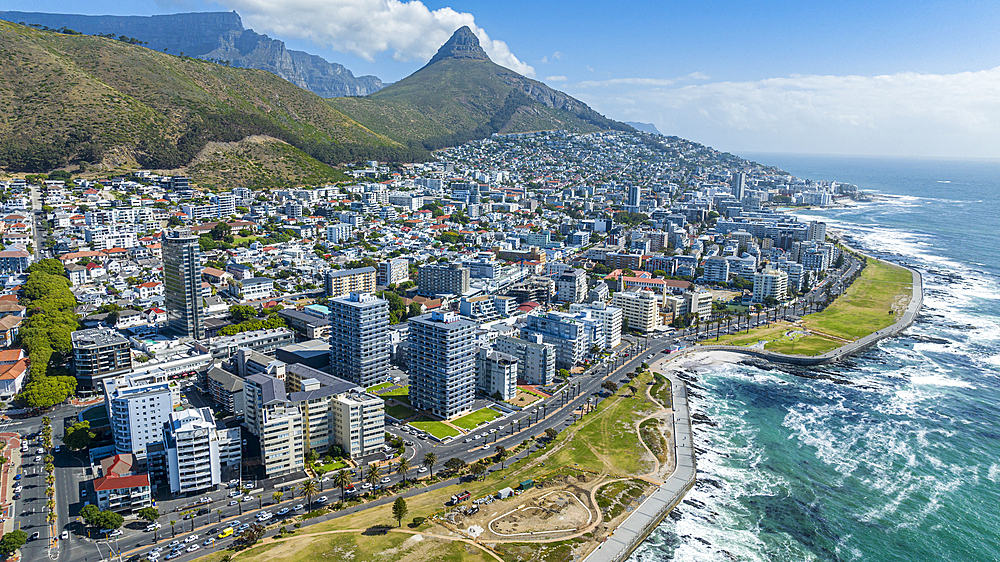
{"x": 378, "y": 387}
{"x": 435, "y": 428}
{"x": 874, "y": 301}
{"x": 399, "y": 412}
{"x": 797, "y": 344}
{"x": 402, "y": 394}
{"x": 336, "y": 465}
{"x": 389, "y": 547}
{"x": 472, "y": 420}
{"x": 607, "y": 440}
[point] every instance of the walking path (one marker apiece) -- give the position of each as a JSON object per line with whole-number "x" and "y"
{"x": 13, "y": 452}
{"x": 624, "y": 540}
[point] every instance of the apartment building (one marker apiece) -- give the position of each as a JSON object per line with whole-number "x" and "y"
{"x": 442, "y": 358}
{"x": 566, "y": 334}
{"x": 496, "y": 374}
{"x": 639, "y": 309}
{"x": 771, "y": 283}
{"x": 536, "y": 360}
{"x": 359, "y": 338}
{"x": 119, "y": 488}
{"x": 340, "y": 282}
{"x": 571, "y": 286}
{"x": 138, "y": 406}
{"x": 442, "y": 279}
{"x": 98, "y": 354}
{"x": 195, "y": 450}
{"x": 611, "y": 318}
{"x": 393, "y": 271}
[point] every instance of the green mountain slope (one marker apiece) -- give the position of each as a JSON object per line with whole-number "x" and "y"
{"x": 74, "y": 98}
{"x": 461, "y": 94}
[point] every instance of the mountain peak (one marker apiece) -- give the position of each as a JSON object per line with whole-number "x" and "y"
{"x": 463, "y": 45}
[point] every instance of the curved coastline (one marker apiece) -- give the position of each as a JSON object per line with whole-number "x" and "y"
{"x": 634, "y": 530}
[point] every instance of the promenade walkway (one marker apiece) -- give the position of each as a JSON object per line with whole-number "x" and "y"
{"x": 651, "y": 512}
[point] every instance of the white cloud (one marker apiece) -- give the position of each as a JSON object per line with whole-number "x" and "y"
{"x": 409, "y": 30}
{"x": 905, "y": 114}
{"x": 640, "y": 81}
{"x": 556, "y": 78}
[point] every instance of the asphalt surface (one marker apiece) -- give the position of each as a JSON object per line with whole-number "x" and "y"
{"x": 556, "y": 412}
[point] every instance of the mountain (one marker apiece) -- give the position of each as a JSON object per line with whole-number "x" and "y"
{"x": 215, "y": 36}
{"x": 461, "y": 95}
{"x": 645, "y": 127}
{"x": 84, "y": 99}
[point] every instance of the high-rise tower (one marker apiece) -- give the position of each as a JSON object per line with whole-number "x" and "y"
{"x": 182, "y": 283}
{"x": 359, "y": 338}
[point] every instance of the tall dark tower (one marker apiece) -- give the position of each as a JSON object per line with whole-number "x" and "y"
{"x": 182, "y": 283}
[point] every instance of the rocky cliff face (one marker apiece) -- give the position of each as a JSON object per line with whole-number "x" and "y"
{"x": 218, "y": 36}
{"x": 463, "y": 44}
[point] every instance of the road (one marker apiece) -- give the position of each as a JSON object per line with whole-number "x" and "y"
{"x": 556, "y": 412}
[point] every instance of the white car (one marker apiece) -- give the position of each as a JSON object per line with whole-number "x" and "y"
{"x": 191, "y": 538}
{"x": 298, "y": 507}
{"x": 468, "y": 440}
{"x": 40, "y": 451}
{"x": 386, "y": 480}
{"x": 64, "y": 536}
{"x": 247, "y": 498}
{"x": 152, "y": 527}
{"x": 193, "y": 548}
{"x": 322, "y": 500}
{"x": 486, "y": 447}
{"x": 422, "y": 469}
{"x": 234, "y": 493}
{"x": 116, "y": 533}
{"x": 38, "y": 459}
{"x": 233, "y": 502}
{"x": 153, "y": 555}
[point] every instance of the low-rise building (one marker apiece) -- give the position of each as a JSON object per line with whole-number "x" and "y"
{"x": 121, "y": 489}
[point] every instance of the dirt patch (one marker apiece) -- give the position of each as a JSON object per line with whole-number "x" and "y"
{"x": 549, "y": 512}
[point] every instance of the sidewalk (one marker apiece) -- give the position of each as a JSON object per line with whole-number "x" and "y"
{"x": 7, "y": 505}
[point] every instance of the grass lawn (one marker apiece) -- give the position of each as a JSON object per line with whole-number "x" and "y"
{"x": 777, "y": 340}
{"x": 399, "y": 412}
{"x": 378, "y": 387}
{"x": 811, "y": 344}
{"x": 607, "y": 440}
{"x": 402, "y": 394}
{"x": 874, "y": 301}
{"x": 390, "y": 547}
{"x": 435, "y": 428}
{"x": 336, "y": 465}
{"x": 238, "y": 239}
{"x": 472, "y": 420}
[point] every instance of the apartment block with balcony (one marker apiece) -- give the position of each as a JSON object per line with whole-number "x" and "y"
{"x": 639, "y": 309}
{"x": 442, "y": 358}
{"x": 359, "y": 338}
{"x": 138, "y": 406}
{"x": 192, "y": 447}
{"x": 567, "y": 335}
{"x": 340, "y": 282}
{"x": 98, "y": 354}
{"x": 536, "y": 359}
{"x": 496, "y": 374}
{"x": 120, "y": 489}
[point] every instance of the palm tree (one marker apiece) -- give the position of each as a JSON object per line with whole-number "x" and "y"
{"x": 374, "y": 475}
{"x": 173, "y": 533}
{"x": 308, "y": 489}
{"x": 501, "y": 454}
{"x": 403, "y": 468}
{"x": 343, "y": 479}
{"x": 430, "y": 459}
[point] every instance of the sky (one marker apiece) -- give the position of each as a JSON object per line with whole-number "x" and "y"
{"x": 873, "y": 78}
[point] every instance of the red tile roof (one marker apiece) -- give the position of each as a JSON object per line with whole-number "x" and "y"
{"x": 119, "y": 482}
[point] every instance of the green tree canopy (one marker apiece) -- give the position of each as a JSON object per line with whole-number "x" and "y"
{"x": 12, "y": 541}
{"x": 79, "y": 436}
{"x": 49, "y": 266}
{"x": 399, "y": 510}
{"x": 242, "y": 312}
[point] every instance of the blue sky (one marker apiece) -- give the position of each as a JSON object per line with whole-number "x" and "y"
{"x": 870, "y": 78}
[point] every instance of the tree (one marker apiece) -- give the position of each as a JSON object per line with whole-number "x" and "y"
{"x": 251, "y": 535}
{"x": 174, "y": 220}
{"x": 17, "y": 538}
{"x": 342, "y": 479}
{"x": 308, "y": 489}
{"x": 415, "y": 309}
{"x": 403, "y": 468}
{"x": 242, "y": 312}
{"x": 429, "y": 460}
{"x": 551, "y": 433}
{"x": 479, "y": 468}
{"x": 47, "y": 266}
{"x": 277, "y": 496}
{"x": 79, "y": 436}
{"x": 172, "y": 532}
{"x": 374, "y": 475}
{"x": 399, "y": 510}
{"x": 90, "y": 514}
{"x": 501, "y": 455}
{"x": 609, "y": 386}
{"x": 455, "y": 464}
{"x": 221, "y": 231}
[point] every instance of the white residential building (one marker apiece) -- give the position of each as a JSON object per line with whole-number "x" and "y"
{"x": 195, "y": 450}
{"x": 496, "y": 374}
{"x": 770, "y": 283}
{"x": 138, "y": 405}
{"x": 639, "y": 309}
{"x": 610, "y": 316}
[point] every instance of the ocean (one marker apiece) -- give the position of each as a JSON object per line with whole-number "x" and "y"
{"x": 897, "y": 457}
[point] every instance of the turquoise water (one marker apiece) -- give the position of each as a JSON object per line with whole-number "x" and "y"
{"x": 897, "y": 458}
